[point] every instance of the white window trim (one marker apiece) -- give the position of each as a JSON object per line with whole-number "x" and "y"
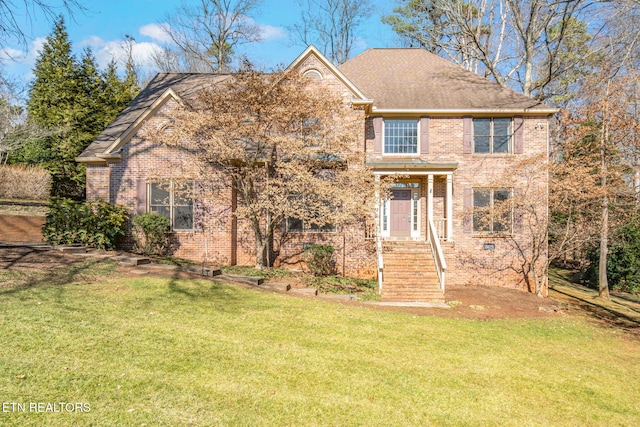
{"x": 418, "y": 144}
{"x": 416, "y": 222}
{"x": 491, "y": 153}
{"x": 313, "y": 74}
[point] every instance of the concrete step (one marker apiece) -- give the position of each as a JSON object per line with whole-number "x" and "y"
{"x": 70, "y": 249}
{"x": 284, "y": 287}
{"x": 304, "y": 291}
{"x": 131, "y": 260}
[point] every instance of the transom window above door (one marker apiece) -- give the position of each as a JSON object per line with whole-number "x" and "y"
{"x": 400, "y": 137}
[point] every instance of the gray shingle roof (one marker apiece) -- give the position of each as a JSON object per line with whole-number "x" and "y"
{"x": 412, "y": 78}
{"x": 185, "y": 85}
{"x": 395, "y": 78}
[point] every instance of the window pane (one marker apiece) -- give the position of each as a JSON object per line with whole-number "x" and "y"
{"x": 401, "y": 136}
{"x": 324, "y": 228}
{"x": 160, "y": 210}
{"x": 160, "y": 194}
{"x": 183, "y": 218}
{"x": 183, "y": 194}
{"x": 481, "y": 135}
{"x": 481, "y": 144}
{"x": 501, "y": 135}
{"x": 294, "y": 224}
{"x": 481, "y": 210}
{"x": 501, "y": 211}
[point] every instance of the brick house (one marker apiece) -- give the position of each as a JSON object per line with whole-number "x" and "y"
{"x": 448, "y": 133}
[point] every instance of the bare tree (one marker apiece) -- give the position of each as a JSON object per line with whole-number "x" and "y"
{"x": 10, "y": 112}
{"x": 14, "y": 29}
{"x": 205, "y": 35}
{"x": 285, "y": 148}
{"x": 601, "y": 135}
{"x": 518, "y": 43}
{"x": 332, "y": 26}
{"x": 15, "y": 129}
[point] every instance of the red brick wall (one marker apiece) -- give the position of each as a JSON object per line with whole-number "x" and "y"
{"x": 21, "y": 229}
{"x": 468, "y": 262}
{"x": 97, "y": 182}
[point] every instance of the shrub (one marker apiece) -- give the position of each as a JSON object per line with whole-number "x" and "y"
{"x": 151, "y": 233}
{"x": 97, "y": 224}
{"x": 319, "y": 259}
{"x": 340, "y": 285}
{"x": 24, "y": 182}
{"x": 623, "y": 260}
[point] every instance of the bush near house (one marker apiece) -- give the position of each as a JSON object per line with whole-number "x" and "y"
{"x": 319, "y": 259}
{"x": 24, "y": 182}
{"x": 97, "y": 224}
{"x": 151, "y": 232}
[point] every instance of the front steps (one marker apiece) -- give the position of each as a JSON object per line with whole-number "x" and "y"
{"x": 409, "y": 273}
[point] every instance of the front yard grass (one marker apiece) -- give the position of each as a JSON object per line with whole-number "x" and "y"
{"x": 168, "y": 351}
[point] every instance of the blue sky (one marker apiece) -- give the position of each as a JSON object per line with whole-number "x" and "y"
{"x": 106, "y": 22}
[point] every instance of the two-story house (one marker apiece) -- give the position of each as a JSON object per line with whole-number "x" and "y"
{"x": 448, "y": 135}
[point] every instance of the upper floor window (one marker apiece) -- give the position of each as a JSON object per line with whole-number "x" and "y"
{"x": 401, "y": 137}
{"x": 492, "y": 211}
{"x": 492, "y": 135}
{"x": 173, "y": 200}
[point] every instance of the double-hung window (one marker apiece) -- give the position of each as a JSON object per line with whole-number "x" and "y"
{"x": 173, "y": 200}
{"x": 492, "y": 211}
{"x": 492, "y": 135}
{"x": 401, "y": 137}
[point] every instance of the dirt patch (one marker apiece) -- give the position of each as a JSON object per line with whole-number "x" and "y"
{"x": 33, "y": 258}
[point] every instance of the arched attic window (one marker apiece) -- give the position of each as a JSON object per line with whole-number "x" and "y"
{"x": 313, "y": 74}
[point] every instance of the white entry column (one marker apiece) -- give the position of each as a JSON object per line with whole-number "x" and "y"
{"x": 449, "y": 206}
{"x": 429, "y": 201}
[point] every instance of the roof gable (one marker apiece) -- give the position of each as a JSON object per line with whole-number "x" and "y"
{"x": 163, "y": 87}
{"x": 312, "y": 53}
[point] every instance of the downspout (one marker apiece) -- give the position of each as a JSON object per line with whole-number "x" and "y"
{"x": 344, "y": 242}
{"x": 378, "y": 233}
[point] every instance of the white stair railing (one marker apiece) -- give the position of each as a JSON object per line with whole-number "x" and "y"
{"x": 438, "y": 255}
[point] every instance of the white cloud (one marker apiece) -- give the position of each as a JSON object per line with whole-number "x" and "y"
{"x": 18, "y": 63}
{"x": 92, "y": 42}
{"x": 157, "y": 32}
{"x": 269, "y": 33}
{"x": 116, "y": 50}
{"x": 10, "y": 54}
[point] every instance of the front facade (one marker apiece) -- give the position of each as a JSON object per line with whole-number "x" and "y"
{"x": 450, "y": 139}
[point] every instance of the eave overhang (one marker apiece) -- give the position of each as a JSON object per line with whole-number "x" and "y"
{"x": 466, "y": 112}
{"x": 409, "y": 167}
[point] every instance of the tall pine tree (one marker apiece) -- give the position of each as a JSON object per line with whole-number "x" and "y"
{"x": 75, "y": 102}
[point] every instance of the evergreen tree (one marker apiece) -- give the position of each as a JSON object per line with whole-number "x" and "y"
{"x": 117, "y": 93}
{"x": 75, "y": 102}
{"x": 53, "y": 104}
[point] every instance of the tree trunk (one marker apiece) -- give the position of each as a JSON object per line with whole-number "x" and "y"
{"x": 603, "y": 283}
{"x": 260, "y": 245}
{"x": 259, "y": 256}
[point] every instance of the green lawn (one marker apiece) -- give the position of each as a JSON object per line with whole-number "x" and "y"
{"x": 170, "y": 352}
